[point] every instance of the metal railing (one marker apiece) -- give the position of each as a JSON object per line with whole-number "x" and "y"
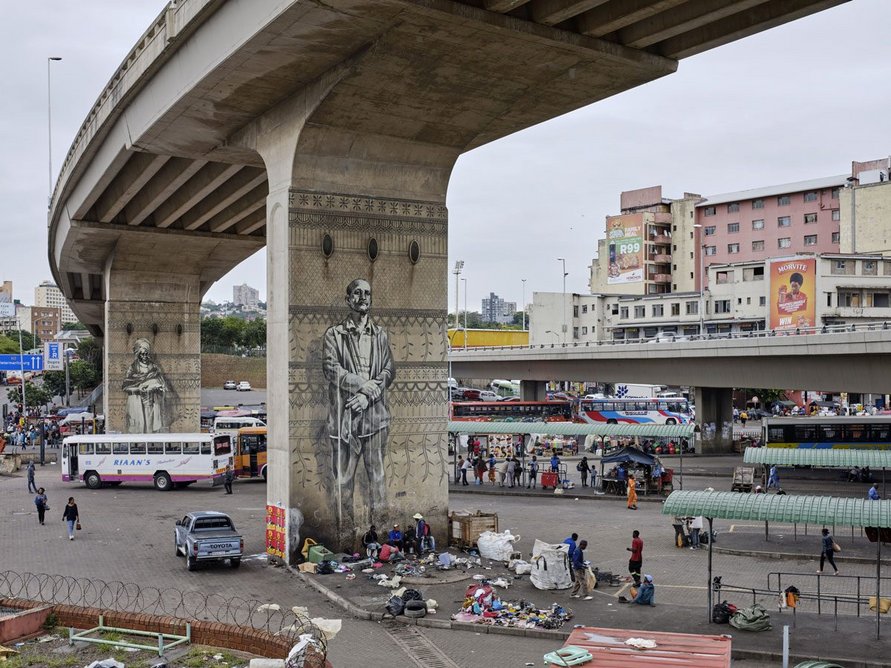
{"x": 169, "y": 601}
{"x": 823, "y": 589}
{"x": 757, "y": 334}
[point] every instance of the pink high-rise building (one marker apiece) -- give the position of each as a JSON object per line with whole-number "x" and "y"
{"x": 769, "y": 222}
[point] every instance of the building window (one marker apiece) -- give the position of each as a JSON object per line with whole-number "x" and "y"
{"x": 623, "y": 313}
{"x": 839, "y": 267}
{"x": 835, "y": 193}
{"x": 733, "y": 249}
{"x": 692, "y": 308}
{"x": 584, "y": 308}
{"x": 784, "y": 221}
{"x": 753, "y": 274}
{"x": 784, "y": 242}
{"x": 870, "y": 268}
{"x": 848, "y": 299}
{"x": 733, "y": 207}
{"x": 722, "y": 306}
{"x": 658, "y": 310}
{"x": 810, "y": 197}
{"x": 757, "y": 203}
{"x": 748, "y": 301}
{"x": 711, "y": 250}
{"x": 758, "y": 245}
{"x": 723, "y": 277}
{"x": 710, "y": 230}
{"x": 758, "y": 224}
{"x": 784, "y": 200}
{"x": 709, "y": 211}
{"x": 575, "y": 332}
{"x": 615, "y": 309}
{"x": 810, "y": 218}
{"x": 575, "y": 311}
{"x": 880, "y": 299}
{"x": 675, "y": 309}
{"x": 639, "y": 312}
{"x": 810, "y": 239}
{"x": 836, "y": 215}
{"x": 762, "y": 301}
{"x": 732, "y": 228}
{"x": 584, "y": 331}
{"x": 836, "y": 237}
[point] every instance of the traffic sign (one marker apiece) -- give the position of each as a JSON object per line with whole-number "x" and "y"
{"x": 16, "y": 362}
{"x": 7, "y": 310}
{"x": 52, "y": 355}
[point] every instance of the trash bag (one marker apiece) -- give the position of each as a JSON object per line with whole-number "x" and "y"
{"x": 324, "y": 568}
{"x": 395, "y": 606}
{"x": 753, "y": 618}
{"x": 722, "y": 612}
{"x": 412, "y": 595}
{"x": 496, "y": 546}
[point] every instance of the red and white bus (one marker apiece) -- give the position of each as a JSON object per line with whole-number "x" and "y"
{"x": 511, "y": 411}
{"x": 659, "y": 410}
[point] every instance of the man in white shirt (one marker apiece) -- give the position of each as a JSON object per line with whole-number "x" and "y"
{"x": 695, "y": 529}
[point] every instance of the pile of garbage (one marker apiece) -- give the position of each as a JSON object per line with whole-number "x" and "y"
{"x": 483, "y": 606}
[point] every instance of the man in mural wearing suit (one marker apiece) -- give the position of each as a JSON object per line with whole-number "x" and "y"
{"x": 358, "y": 365}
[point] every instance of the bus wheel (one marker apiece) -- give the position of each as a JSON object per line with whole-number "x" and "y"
{"x": 671, "y": 421}
{"x": 92, "y": 480}
{"x": 163, "y": 483}
{"x": 611, "y": 421}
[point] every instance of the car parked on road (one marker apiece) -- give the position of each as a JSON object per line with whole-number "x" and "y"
{"x": 243, "y": 386}
{"x": 488, "y": 395}
{"x": 230, "y": 385}
{"x": 207, "y": 536}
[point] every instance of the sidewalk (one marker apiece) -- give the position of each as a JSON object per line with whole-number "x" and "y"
{"x": 792, "y": 543}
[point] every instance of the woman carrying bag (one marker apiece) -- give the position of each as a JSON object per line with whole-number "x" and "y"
{"x": 71, "y": 517}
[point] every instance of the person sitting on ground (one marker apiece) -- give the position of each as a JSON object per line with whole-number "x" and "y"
{"x": 646, "y": 592}
{"x": 371, "y": 543}
{"x": 854, "y": 474}
{"x": 423, "y": 536}
{"x": 395, "y": 539}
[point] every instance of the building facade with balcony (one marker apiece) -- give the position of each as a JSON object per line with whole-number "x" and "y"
{"x": 48, "y": 295}
{"x": 495, "y": 309}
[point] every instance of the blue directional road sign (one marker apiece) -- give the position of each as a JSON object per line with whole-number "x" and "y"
{"x": 15, "y": 362}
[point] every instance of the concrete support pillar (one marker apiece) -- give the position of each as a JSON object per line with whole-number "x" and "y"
{"x": 714, "y": 414}
{"x": 357, "y": 252}
{"x": 534, "y": 390}
{"x": 152, "y": 349}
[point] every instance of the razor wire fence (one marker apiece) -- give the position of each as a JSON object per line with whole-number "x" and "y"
{"x": 169, "y": 601}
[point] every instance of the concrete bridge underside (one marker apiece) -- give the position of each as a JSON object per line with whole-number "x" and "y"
{"x": 328, "y": 132}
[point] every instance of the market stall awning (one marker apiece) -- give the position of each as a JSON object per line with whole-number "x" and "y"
{"x": 629, "y": 455}
{"x": 827, "y": 458}
{"x": 573, "y": 429}
{"x": 826, "y": 510}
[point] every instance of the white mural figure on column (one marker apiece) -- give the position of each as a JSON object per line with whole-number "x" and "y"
{"x": 146, "y": 388}
{"x": 358, "y": 365}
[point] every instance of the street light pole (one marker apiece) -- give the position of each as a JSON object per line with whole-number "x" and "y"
{"x": 459, "y": 265}
{"x": 49, "y": 130}
{"x": 701, "y": 251}
{"x": 524, "y": 303}
{"x": 67, "y": 378}
{"x": 563, "y": 260}
{"x": 22, "y": 371}
{"x": 465, "y": 312}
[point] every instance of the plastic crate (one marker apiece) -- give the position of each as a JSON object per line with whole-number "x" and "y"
{"x": 319, "y": 553}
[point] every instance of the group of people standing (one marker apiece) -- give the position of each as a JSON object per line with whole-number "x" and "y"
{"x": 643, "y": 584}
{"x": 506, "y": 473}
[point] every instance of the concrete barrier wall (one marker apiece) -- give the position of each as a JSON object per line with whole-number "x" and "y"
{"x": 217, "y": 369}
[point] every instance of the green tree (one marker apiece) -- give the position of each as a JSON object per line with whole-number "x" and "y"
{"x": 54, "y": 383}
{"x": 254, "y": 333}
{"x": 36, "y": 395}
{"x": 83, "y": 376}
{"x": 8, "y": 346}
{"x": 68, "y": 326}
{"x": 518, "y": 318}
{"x": 89, "y": 350}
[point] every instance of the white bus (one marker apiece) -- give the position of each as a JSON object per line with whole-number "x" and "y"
{"x": 167, "y": 460}
{"x": 226, "y": 425}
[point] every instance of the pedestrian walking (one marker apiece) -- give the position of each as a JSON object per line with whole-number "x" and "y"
{"x": 42, "y": 505}
{"x": 71, "y": 516}
{"x": 773, "y": 480}
{"x": 828, "y": 550}
{"x": 228, "y": 477}
{"x": 464, "y": 465}
{"x": 518, "y": 472}
{"x": 873, "y": 492}
{"x": 632, "y": 493}
{"x": 635, "y": 563}
{"x": 695, "y": 530}
{"x": 579, "y": 572}
{"x": 480, "y": 470}
{"x": 533, "y": 473}
{"x": 32, "y": 487}
{"x": 584, "y": 468}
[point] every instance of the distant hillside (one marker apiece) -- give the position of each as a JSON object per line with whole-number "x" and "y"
{"x": 217, "y": 369}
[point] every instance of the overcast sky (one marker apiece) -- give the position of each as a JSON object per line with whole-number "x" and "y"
{"x": 797, "y": 102}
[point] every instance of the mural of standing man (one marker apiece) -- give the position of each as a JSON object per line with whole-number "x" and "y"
{"x": 148, "y": 393}
{"x": 358, "y": 365}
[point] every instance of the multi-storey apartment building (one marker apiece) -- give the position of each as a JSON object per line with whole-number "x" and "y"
{"x": 48, "y": 295}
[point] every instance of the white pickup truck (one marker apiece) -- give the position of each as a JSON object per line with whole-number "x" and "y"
{"x": 207, "y": 536}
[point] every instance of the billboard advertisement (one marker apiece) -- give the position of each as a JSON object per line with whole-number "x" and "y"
{"x": 625, "y": 241}
{"x": 793, "y": 288}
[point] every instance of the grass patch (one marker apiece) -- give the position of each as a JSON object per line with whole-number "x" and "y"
{"x": 199, "y": 657}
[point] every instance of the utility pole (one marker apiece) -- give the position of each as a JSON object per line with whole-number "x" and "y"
{"x": 459, "y": 265}
{"x": 563, "y": 260}
{"x": 49, "y": 129}
{"x": 465, "y": 313}
{"x": 524, "y": 303}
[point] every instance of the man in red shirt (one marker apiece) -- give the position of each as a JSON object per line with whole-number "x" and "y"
{"x": 636, "y": 561}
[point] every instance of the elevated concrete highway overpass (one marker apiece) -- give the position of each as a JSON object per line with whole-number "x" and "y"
{"x": 327, "y": 131}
